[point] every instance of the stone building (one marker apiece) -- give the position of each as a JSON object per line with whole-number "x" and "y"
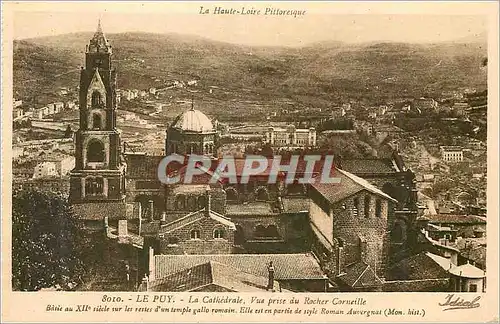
{"x": 99, "y": 173}
{"x": 451, "y": 153}
{"x": 291, "y": 137}
{"x": 191, "y": 132}
{"x": 352, "y": 222}
{"x": 348, "y": 233}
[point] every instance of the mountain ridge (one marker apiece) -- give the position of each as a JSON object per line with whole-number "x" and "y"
{"x": 332, "y": 71}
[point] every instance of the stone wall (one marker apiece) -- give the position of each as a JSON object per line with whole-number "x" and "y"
{"x": 363, "y": 236}
{"x": 204, "y": 243}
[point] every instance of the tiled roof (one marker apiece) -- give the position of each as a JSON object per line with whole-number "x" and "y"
{"x": 189, "y": 188}
{"x": 250, "y": 209}
{"x": 364, "y": 166}
{"x": 98, "y": 210}
{"x": 441, "y": 261}
{"x": 468, "y": 271}
{"x": 360, "y": 275}
{"x": 286, "y": 266}
{"x": 421, "y": 266}
{"x": 215, "y": 273}
{"x": 193, "y": 217}
{"x": 142, "y": 166}
{"x": 455, "y": 219}
{"x": 473, "y": 249}
{"x": 295, "y": 205}
{"x": 349, "y": 185}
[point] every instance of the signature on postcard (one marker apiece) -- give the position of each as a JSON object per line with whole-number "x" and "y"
{"x": 453, "y": 302}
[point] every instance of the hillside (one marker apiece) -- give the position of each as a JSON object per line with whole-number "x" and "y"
{"x": 311, "y": 75}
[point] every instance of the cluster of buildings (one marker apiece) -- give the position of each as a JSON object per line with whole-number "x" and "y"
{"x": 361, "y": 234}
{"x": 20, "y": 112}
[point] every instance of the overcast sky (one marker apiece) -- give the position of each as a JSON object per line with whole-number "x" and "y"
{"x": 320, "y": 23}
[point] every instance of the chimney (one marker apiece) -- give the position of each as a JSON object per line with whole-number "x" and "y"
{"x": 208, "y": 203}
{"x": 151, "y": 264}
{"x": 151, "y": 210}
{"x": 122, "y": 231}
{"x": 145, "y": 283}
{"x": 270, "y": 269}
{"x": 163, "y": 219}
{"x": 106, "y": 224}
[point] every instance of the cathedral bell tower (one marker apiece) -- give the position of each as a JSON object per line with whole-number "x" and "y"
{"x": 99, "y": 172}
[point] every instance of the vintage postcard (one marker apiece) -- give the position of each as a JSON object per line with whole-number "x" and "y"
{"x": 249, "y": 161}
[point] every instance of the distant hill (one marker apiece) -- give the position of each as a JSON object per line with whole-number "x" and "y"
{"x": 328, "y": 71}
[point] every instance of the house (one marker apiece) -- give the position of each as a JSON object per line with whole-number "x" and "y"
{"x": 451, "y": 153}
{"x": 17, "y": 103}
{"x": 468, "y": 278}
{"x": 291, "y": 137}
{"x": 350, "y": 222}
{"x": 44, "y": 170}
{"x": 424, "y": 104}
{"x": 464, "y": 225}
{"x": 236, "y": 272}
{"x": 424, "y": 271}
{"x": 200, "y": 232}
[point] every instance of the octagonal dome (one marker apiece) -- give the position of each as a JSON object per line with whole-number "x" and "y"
{"x": 193, "y": 120}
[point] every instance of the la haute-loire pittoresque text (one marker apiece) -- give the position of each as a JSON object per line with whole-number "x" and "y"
{"x": 251, "y": 11}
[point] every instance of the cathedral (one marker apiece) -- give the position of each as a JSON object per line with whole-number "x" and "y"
{"x": 120, "y": 191}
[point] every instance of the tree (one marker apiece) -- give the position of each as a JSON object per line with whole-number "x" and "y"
{"x": 46, "y": 242}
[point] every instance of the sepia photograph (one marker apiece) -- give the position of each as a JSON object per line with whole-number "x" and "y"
{"x": 265, "y": 148}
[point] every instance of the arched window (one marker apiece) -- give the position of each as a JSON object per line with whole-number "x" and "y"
{"x": 96, "y": 99}
{"x": 201, "y": 202}
{"x": 95, "y": 151}
{"x": 355, "y": 209}
{"x": 180, "y": 202}
{"x": 367, "y": 206}
{"x": 192, "y": 203}
{"x": 219, "y": 233}
{"x": 195, "y": 234}
{"x": 96, "y": 121}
